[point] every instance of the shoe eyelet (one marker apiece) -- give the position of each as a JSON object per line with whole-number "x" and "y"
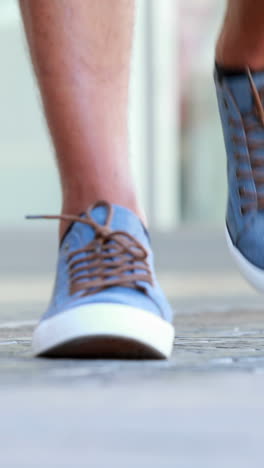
{"x": 242, "y": 210}
{"x": 225, "y": 103}
{"x": 66, "y": 248}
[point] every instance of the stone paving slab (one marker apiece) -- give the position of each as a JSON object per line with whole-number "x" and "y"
{"x": 201, "y": 409}
{"x": 187, "y": 422}
{"x": 205, "y": 343}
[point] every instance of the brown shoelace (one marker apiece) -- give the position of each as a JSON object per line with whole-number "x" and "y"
{"x": 109, "y": 260}
{"x": 254, "y": 200}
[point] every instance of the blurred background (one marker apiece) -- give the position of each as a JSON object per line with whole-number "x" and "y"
{"x": 176, "y": 143}
{"x": 177, "y": 155}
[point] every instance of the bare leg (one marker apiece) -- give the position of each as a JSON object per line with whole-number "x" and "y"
{"x": 81, "y": 54}
{"x": 241, "y": 41}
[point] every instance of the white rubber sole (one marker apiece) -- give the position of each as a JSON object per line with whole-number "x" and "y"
{"x": 104, "y": 331}
{"x": 253, "y": 274}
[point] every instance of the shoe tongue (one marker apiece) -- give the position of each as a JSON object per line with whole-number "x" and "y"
{"x": 122, "y": 220}
{"x": 241, "y": 90}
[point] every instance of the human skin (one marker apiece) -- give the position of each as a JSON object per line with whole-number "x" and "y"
{"x": 241, "y": 40}
{"x": 81, "y": 52}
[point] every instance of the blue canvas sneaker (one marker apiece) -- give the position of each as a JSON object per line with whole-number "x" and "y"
{"x": 106, "y": 301}
{"x": 240, "y": 101}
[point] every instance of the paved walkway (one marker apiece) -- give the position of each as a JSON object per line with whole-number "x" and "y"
{"x": 203, "y": 408}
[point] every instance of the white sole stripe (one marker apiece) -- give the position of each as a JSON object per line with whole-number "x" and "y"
{"x": 253, "y": 274}
{"x": 104, "y": 319}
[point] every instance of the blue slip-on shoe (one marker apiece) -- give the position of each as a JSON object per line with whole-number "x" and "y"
{"x": 240, "y": 100}
{"x": 106, "y": 301}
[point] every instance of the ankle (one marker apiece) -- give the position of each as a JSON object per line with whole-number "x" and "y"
{"x": 235, "y": 50}
{"x": 76, "y": 206}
